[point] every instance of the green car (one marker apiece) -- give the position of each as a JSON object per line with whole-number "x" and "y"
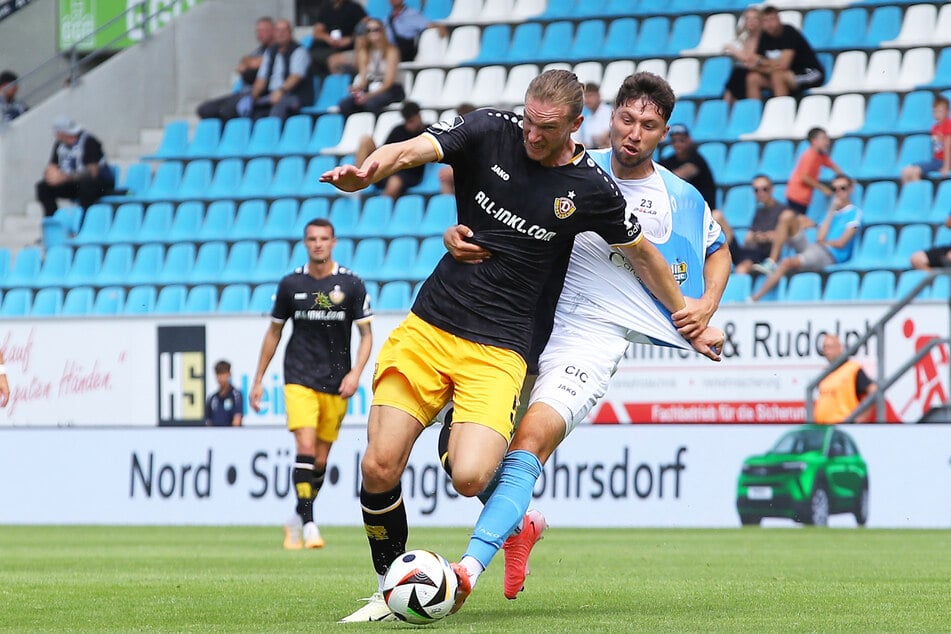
{"x": 811, "y": 473}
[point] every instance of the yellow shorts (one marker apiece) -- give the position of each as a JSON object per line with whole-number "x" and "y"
{"x": 421, "y": 367}
{"x": 310, "y": 408}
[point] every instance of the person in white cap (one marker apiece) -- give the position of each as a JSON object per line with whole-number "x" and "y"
{"x": 77, "y": 169}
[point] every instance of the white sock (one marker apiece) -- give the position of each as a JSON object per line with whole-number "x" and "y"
{"x": 379, "y": 579}
{"x": 473, "y": 567}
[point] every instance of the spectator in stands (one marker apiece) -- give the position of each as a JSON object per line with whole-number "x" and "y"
{"x": 842, "y": 391}
{"x": 224, "y": 107}
{"x": 940, "y": 160}
{"x": 743, "y": 52}
{"x": 937, "y": 257}
{"x": 396, "y": 184}
{"x": 335, "y": 32}
{"x": 284, "y": 83}
{"x": 4, "y": 385}
{"x": 404, "y": 25}
{"x": 10, "y": 108}
{"x": 224, "y": 407}
{"x": 785, "y": 62}
{"x": 834, "y": 239}
{"x": 687, "y": 163}
{"x": 761, "y": 234}
{"x": 376, "y": 84}
{"x": 77, "y": 169}
{"x": 446, "y": 183}
{"x": 593, "y": 133}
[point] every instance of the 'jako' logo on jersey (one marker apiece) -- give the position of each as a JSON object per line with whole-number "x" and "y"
{"x": 501, "y": 173}
{"x": 446, "y": 126}
{"x": 564, "y": 207}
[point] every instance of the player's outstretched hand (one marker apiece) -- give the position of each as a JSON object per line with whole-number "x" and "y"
{"x": 455, "y": 240}
{"x": 254, "y": 398}
{"x": 709, "y": 343}
{"x": 692, "y": 319}
{"x": 350, "y": 178}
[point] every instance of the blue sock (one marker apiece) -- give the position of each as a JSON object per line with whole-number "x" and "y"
{"x": 507, "y": 505}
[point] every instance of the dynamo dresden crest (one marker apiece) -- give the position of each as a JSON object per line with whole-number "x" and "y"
{"x": 564, "y": 207}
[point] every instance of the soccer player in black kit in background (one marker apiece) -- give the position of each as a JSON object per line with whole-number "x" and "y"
{"x": 525, "y": 189}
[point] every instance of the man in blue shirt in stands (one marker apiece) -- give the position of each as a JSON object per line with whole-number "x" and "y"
{"x": 224, "y": 408}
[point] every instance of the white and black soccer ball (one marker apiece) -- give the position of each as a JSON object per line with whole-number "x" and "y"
{"x": 420, "y": 587}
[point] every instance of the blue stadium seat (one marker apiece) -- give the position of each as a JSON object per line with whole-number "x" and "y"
{"x": 430, "y": 184}
{"x": 876, "y": 247}
{"x": 915, "y": 148}
{"x": 881, "y": 114}
{"x": 280, "y": 221}
{"x": 311, "y": 186}
{"x": 47, "y": 302}
{"x": 561, "y": 10}
{"x": 711, "y": 122}
{"x": 332, "y": 90}
{"x": 879, "y": 202}
{"x": 174, "y": 141}
{"x": 440, "y": 215}
{"x": 17, "y": 302}
{"x": 914, "y": 202}
{"x": 744, "y": 117}
{"x": 165, "y": 183}
{"x": 234, "y": 138}
{"x": 915, "y": 115}
{"x": 850, "y": 30}
{"x": 126, "y": 224}
{"x": 141, "y": 300}
{"x": 817, "y": 27}
{"x": 265, "y": 134}
{"x": 738, "y": 288}
{"x": 225, "y": 181}
{"x": 685, "y": 112}
{"x": 262, "y": 298}
{"x": 621, "y": 34}
{"x": 6, "y": 263}
{"x": 70, "y": 217}
{"x": 272, "y": 263}
{"x": 407, "y": 217}
{"x": 941, "y": 206}
{"x": 288, "y": 177}
{"x": 110, "y": 300}
{"x": 394, "y": 296}
{"x": 804, "y": 287}
{"x": 178, "y": 265}
{"x": 877, "y": 285}
{"x": 343, "y": 252}
{"x": 684, "y": 33}
{"x": 344, "y": 215}
{"x": 78, "y": 301}
{"x": 400, "y": 254}
{"x": 96, "y": 223}
{"x": 373, "y": 292}
{"x": 847, "y": 154}
{"x": 310, "y": 209}
{"x": 205, "y": 139}
{"x": 437, "y": 10}
{"x": 374, "y": 216}
{"x": 739, "y": 206}
{"x": 880, "y": 158}
{"x": 884, "y": 24}
{"x": 775, "y": 294}
{"x": 242, "y": 259}
{"x": 588, "y": 41}
{"x": 907, "y": 280}
{"x": 56, "y": 265}
{"x": 841, "y": 286}
{"x": 138, "y": 176}
{"x": 494, "y": 45}
{"x": 209, "y": 263}
{"x": 526, "y": 43}
{"x": 147, "y": 264}
{"x": 196, "y": 180}
{"x": 368, "y": 258}
{"x": 219, "y": 219}
{"x": 911, "y": 238}
{"x": 713, "y": 76}
{"x": 248, "y": 221}
{"x": 715, "y": 154}
{"x": 257, "y": 177}
{"x": 235, "y": 298}
{"x": 556, "y": 44}
{"x": 201, "y": 299}
{"x": 940, "y": 288}
{"x": 777, "y": 159}
{"x": 430, "y": 251}
{"x": 171, "y": 299}
{"x": 186, "y": 222}
{"x": 942, "y": 74}
{"x": 116, "y": 265}
{"x": 156, "y": 223}
{"x": 652, "y": 38}
{"x": 741, "y": 162}
{"x": 26, "y": 266}
{"x": 87, "y": 263}
{"x": 295, "y": 136}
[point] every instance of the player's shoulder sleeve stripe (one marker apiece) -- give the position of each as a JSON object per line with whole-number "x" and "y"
{"x": 637, "y": 238}
{"x": 436, "y": 146}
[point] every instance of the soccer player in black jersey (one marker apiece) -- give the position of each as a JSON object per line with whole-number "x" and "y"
{"x": 525, "y": 189}
{"x": 324, "y": 300}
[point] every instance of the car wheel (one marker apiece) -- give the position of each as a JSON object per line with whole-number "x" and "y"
{"x": 861, "y": 508}
{"x": 750, "y": 520}
{"x": 818, "y": 514}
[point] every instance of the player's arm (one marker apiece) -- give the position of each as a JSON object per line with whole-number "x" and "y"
{"x": 238, "y": 409}
{"x": 695, "y": 317}
{"x": 351, "y": 381}
{"x": 461, "y": 250}
{"x": 382, "y": 162}
{"x": 272, "y": 337}
{"x": 653, "y": 270}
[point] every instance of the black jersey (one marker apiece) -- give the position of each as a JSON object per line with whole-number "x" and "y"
{"x": 318, "y": 353}
{"x": 527, "y": 215}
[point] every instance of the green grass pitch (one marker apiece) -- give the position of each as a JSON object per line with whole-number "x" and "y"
{"x": 238, "y": 579}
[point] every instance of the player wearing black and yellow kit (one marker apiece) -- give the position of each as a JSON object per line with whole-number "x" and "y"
{"x": 525, "y": 189}
{"x": 324, "y": 300}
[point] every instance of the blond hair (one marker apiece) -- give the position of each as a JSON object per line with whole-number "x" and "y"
{"x": 560, "y": 88}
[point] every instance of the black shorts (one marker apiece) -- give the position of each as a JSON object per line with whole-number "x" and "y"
{"x": 938, "y": 256}
{"x": 799, "y": 208}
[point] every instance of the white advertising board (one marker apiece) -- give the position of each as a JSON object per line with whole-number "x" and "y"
{"x": 602, "y": 476}
{"x": 149, "y": 371}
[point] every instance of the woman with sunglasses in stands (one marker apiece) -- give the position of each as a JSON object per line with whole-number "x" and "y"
{"x": 375, "y": 86}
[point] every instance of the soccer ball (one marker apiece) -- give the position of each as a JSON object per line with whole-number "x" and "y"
{"x": 420, "y": 587}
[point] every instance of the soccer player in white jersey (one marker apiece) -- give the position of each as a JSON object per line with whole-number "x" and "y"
{"x": 606, "y": 307}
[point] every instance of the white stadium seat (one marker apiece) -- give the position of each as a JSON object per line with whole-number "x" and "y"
{"x": 516, "y": 83}
{"x": 683, "y": 75}
{"x": 718, "y": 30}
{"x": 589, "y": 72}
{"x": 813, "y": 112}
{"x": 489, "y": 84}
{"x": 917, "y": 68}
{"x": 464, "y": 42}
{"x": 468, "y": 12}
{"x": 427, "y": 86}
{"x": 777, "y": 121}
{"x": 882, "y": 71}
{"x": 431, "y": 52}
{"x": 848, "y": 114}
{"x": 614, "y": 74}
{"x": 457, "y": 88}
{"x": 848, "y": 74}
{"x": 357, "y": 126}
{"x": 917, "y": 26}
